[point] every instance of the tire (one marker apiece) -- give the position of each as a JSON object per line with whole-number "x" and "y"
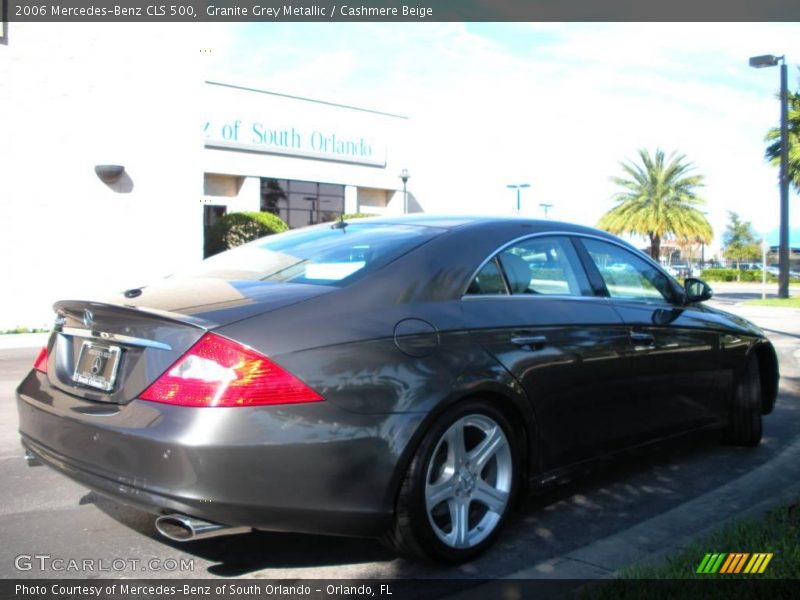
{"x": 744, "y": 425}
{"x": 460, "y": 486}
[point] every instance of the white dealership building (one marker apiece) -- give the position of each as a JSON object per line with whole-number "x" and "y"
{"x": 117, "y": 153}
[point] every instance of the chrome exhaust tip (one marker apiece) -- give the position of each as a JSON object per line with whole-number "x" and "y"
{"x": 183, "y": 528}
{"x": 32, "y": 460}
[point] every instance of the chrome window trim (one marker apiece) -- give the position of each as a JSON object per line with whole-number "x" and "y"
{"x": 528, "y": 297}
{"x": 503, "y": 275}
{"x": 618, "y": 243}
{"x": 114, "y": 337}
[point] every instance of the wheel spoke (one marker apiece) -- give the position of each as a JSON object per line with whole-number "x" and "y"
{"x": 483, "y": 452}
{"x": 438, "y": 492}
{"x": 492, "y": 498}
{"x": 456, "y": 452}
{"x": 459, "y": 520}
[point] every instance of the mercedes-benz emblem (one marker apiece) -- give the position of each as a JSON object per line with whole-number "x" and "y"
{"x": 88, "y": 317}
{"x": 97, "y": 365}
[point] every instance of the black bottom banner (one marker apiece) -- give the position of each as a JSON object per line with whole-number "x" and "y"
{"x": 399, "y": 589}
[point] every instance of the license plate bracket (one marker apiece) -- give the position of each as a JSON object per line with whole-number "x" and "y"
{"x": 97, "y": 366}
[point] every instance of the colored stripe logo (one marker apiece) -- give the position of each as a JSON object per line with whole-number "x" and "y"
{"x": 732, "y": 563}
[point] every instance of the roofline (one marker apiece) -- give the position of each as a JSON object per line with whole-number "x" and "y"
{"x": 312, "y": 100}
{"x": 464, "y": 221}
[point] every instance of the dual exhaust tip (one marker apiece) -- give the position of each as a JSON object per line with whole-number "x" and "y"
{"x": 183, "y": 528}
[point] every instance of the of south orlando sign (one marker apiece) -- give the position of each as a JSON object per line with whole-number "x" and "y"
{"x": 319, "y": 143}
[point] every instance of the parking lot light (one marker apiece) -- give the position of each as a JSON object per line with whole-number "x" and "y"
{"x": 759, "y": 62}
{"x": 518, "y": 186}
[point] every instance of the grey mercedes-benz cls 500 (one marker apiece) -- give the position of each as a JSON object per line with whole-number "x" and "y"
{"x": 403, "y": 377}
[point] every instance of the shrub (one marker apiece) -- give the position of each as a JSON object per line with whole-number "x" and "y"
{"x": 350, "y": 216}
{"x": 730, "y": 275}
{"x": 235, "y": 229}
{"x": 718, "y": 274}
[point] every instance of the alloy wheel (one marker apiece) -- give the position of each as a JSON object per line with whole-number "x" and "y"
{"x": 468, "y": 481}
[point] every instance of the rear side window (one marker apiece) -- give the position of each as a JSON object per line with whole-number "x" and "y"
{"x": 542, "y": 265}
{"x": 326, "y": 254}
{"x": 489, "y": 280}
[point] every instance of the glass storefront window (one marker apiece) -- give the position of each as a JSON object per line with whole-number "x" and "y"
{"x": 302, "y": 203}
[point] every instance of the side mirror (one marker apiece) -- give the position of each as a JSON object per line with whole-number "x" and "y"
{"x": 697, "y": 290}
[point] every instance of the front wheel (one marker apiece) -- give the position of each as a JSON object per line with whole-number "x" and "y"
{"x": 460, "y": 486}
{"x": 744, "y": 425}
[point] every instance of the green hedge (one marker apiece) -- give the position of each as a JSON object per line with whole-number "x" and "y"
{"x": 235, "y": 229}
{"x": 730, "y": 275}
{"x": 350, "y": 216}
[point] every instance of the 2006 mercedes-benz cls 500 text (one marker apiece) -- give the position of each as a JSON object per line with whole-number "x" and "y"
{"x": 403, "y": 378}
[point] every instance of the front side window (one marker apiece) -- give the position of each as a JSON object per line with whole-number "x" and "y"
{"x": 626, "y": 275}
{"x": 536, "y": 266}
{"x": 325, "y": 254}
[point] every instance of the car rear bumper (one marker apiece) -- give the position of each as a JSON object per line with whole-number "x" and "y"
{"x": 312, "y": 468}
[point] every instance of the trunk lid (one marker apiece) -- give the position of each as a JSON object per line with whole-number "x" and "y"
{"x": 112, "y": 351}
{"x": 216, "y": 302}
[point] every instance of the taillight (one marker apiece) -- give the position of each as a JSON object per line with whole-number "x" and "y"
{"x": 219, "y": 372}
{"x": 40, "y": 364}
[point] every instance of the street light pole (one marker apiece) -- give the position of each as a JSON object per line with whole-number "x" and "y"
{"x": 518, "y": 186}
{"x": 783, "y": 256}
{"x": 404, "y": 176}
{"x": 545, "y": 207}
{"x": 758, "y": 62}
{"x": 764, "y": 267}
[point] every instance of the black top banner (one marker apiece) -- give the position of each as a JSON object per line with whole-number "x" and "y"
{"x": 394, "y": 11}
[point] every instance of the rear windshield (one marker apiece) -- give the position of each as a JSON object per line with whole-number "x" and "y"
{"x": 325, "y": 254}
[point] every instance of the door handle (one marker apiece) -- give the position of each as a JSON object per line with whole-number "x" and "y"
{"x": 530, "y": 342}
{"x": 644, "y": 339}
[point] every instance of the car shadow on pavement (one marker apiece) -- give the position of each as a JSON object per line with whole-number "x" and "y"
{"x": 241, "y": 554}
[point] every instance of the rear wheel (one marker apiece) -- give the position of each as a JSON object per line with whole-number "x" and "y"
{"x": 744, "y": 426}
{"x": 459, "y": 487}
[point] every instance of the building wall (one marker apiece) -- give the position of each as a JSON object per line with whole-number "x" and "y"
{"x": 255, "y": 133}
{"x": 75, "y": 97}
{"x": 134, "y": 95}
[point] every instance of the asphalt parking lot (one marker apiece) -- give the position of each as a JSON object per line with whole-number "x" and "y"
{"x": 638, "y": 506}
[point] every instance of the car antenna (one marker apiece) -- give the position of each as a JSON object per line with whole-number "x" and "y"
{"x": 340, "y": 224}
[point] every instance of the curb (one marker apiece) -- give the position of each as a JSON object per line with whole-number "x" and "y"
{"x": 23, "y": 340}
{"x": 651, "y": 541}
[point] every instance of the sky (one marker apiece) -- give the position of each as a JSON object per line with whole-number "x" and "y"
{"x": 558, "y": 106}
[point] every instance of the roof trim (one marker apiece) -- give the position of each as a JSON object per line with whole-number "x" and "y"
{"x": 279, "y": 95}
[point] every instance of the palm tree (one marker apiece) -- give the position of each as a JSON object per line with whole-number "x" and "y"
{"x": 773, "y": 152}
{"x": 658, "y": 200}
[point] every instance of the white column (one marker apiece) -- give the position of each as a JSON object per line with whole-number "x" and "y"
{"x": 351, "y": 199}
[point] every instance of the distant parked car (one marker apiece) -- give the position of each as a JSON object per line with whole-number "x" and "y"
{"x": 751, "y": 266}
{"x": 775, "y": 270}
{"x": 682, "y": 270}
{"x": 671, "y": 270}
{"x": 619, "y": 267}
